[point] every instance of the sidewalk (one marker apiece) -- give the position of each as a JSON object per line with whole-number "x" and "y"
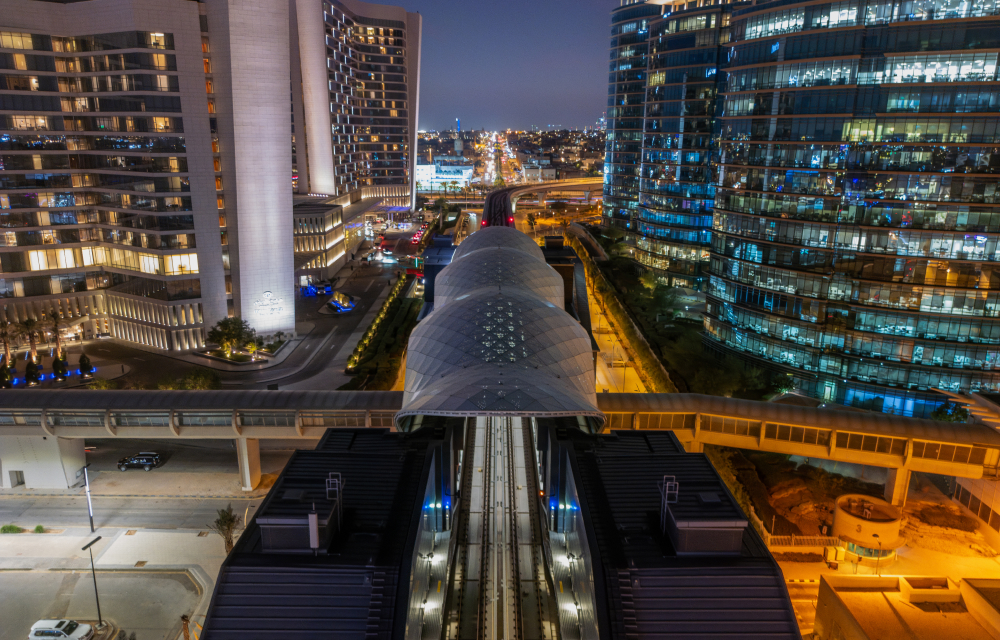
{"x": 623, "y": 379}
{"x": 145, "y": 554}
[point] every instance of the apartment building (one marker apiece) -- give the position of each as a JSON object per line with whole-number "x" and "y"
{"x": 146, "y": 170}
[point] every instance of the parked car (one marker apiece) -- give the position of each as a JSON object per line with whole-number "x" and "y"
{"x": 147, "y": 460}
{"x": 70, "y": 629}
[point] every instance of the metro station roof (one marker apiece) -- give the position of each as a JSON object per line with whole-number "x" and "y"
{"x": 499, "y": 352}
{"x": 498, "y": 238}
{"x": 496, "y": 269}
{"x": 501, "y": 342}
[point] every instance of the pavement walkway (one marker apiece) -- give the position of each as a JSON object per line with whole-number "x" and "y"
{"x": 143, "y": 555}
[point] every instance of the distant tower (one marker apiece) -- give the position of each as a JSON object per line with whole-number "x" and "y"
{"x": 458, "y": 125}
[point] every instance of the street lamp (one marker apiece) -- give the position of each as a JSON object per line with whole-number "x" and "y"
{"x": 879, "y": 556}
{"x": 100, "y": 621}
{"x": 90, "y": 505}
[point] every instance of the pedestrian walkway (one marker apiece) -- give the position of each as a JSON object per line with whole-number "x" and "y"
{"x": 615, "y": 374}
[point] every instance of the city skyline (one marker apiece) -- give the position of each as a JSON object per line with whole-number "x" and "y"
{"x": 552, "y": 47}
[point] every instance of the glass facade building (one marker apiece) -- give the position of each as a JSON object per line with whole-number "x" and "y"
{"x": 856, "y": 221}
{"x": 626, "y": 98}
{"x": 845, "y": 155}
{"x": 676, "y": 185}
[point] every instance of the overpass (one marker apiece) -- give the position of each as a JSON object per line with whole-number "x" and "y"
{"x": 902, "y": 445}
{"x": 500, "y": 205}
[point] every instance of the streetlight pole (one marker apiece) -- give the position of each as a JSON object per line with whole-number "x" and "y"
{"x": 93, "y": 572}
{"x": 90, "y": 505}
{"x": 879, "y": 556}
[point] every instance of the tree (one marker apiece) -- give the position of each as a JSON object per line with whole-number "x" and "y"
{"x": 7, "y": 333}
{"x": 419, "y": 185}
{"x": 950, "y": 412}
{"x": 6, "y": 379}
{"x": 440, "y": 204}
{"x": 86, "y": 369}
{"x": 31, "y": 374}
{"x": 531, "y": 221}
{"x": 200, "y": 380}
{"x": 60, "y": 368}
{"x": 228, "y": 526}
{"x": 29, "y": 328}
{"x": 102, "y": 384}
{"x": 649, "y": 280}
{"x": 54, "y": 322}
{"x": 231, "y": 333}
{"x": 252, "y": 350}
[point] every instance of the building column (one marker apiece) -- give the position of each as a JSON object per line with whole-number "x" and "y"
{"x": 897, "y": 483}
{"x": 248, "y": 456}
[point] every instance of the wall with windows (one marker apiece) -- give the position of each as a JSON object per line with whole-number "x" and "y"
{"x": 855, "y": 229}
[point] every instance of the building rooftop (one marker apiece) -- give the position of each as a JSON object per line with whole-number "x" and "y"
{"x": 908, "y": 608}
{"x": 357, "y": 586}
{"x": 645, "y": 585}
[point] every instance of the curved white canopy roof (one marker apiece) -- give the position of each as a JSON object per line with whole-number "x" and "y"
{"x": 498, "y": 270}
{"x": 508, "y": 353}
{"x": 498, "y": 237}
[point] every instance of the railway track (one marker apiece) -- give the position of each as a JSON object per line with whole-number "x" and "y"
{"x": 500, "y": 590}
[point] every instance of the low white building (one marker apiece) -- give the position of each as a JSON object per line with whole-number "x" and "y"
{"x": 434, "y": 177}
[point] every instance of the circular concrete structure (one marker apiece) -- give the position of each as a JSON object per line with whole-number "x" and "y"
{"x": 857, "y": 519}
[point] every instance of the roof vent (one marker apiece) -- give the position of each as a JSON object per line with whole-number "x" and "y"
{"x": 335, "y": 494}
{"x": 709, "y": 498}
{"x": 669, "y": 492}
{"x": 293, "y": 495}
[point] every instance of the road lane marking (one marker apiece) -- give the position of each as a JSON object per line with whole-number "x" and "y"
{"x": 369, "y": 286}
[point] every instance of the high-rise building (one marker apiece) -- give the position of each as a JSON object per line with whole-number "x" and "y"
{"x": 626, "y": 97}
{"x": 359, "y": 68}
{"x": 672, "y": 233}
{"x": 856, "y": 220}
{"x": 845, "y": 156}
{"x": 145, "y": 156}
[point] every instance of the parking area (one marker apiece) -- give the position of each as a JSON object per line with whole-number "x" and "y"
{"x": 147, "y": 603}
{"x": 201, "y": 468}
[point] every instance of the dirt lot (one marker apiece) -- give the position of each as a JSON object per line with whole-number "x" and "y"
{"x": 805, "y": 497}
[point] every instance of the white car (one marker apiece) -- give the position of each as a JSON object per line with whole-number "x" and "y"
{"x": 64, "y": 629}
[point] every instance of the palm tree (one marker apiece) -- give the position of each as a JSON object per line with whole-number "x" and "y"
{"x": 228, "y": 526}
{"x": 54, "y": 320}
{"x": 6, "y": 334}
{"x": 29, "y": 328}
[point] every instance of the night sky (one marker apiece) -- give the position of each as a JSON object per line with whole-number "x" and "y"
{"x": 510, "y": 64}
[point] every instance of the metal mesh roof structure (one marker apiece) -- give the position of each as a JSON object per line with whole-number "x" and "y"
{"x": 501, "y": 344}
{"x": 496, "y": 269}
{"x": 498, "y": 238}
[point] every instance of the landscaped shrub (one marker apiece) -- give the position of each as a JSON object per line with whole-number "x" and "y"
{"x": 11, "y": 528}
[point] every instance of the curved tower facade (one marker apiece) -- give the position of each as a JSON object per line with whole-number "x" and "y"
{"x": 674, "y": 218}
{"x": 857, "y": 213}
{"x": 626, "y": 99}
